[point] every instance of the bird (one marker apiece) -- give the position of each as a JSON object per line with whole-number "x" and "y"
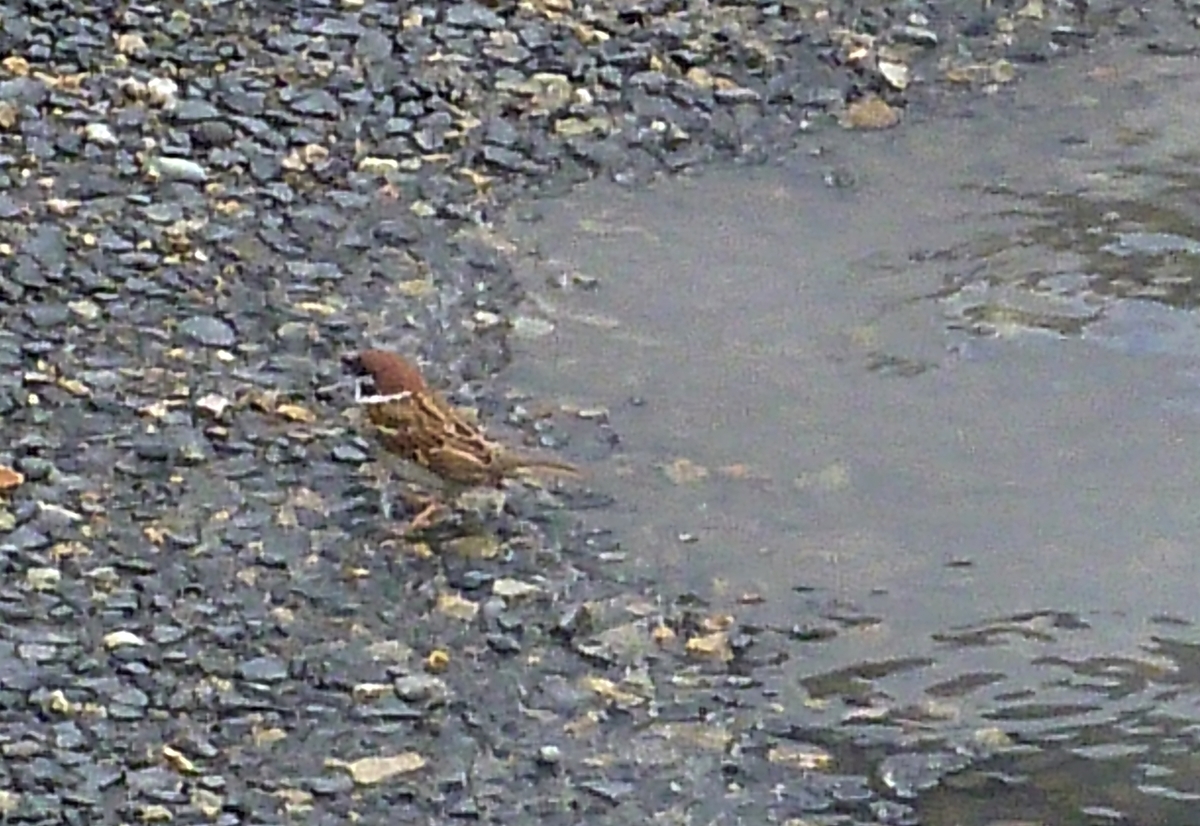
{"x": 417, "y": 424}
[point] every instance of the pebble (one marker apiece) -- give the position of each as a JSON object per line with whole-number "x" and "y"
{"x": 179, "y": 169}
{"x": 162, "y": 91}
{"x": 263, "y": 670}
{"x": 101, "y": 134}
{"x": 208, "y": 331}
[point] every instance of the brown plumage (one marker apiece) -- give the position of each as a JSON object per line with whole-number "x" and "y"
{"x": 417, "y": 424}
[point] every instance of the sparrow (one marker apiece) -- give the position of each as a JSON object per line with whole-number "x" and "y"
{"x": 417, "y": 424}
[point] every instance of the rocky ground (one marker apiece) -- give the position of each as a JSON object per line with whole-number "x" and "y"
{"x": 203, "y": 209}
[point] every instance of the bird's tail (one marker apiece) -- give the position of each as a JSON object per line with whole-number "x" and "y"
{"x": 524, "y": 463}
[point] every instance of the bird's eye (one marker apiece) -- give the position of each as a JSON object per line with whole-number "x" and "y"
{"x": 364, "y": 386}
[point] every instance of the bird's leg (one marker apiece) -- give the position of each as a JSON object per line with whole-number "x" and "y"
{"x": 385, "y": 502}
{"x": 425, "y": 518}
{"x": 426, "y": 506}
{"x": 383, "y": 484}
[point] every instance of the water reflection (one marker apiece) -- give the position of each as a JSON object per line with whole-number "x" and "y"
{"x": 1137, "y": 764}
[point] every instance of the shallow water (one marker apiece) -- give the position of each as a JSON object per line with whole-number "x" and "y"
{"x": 954, "y": 402}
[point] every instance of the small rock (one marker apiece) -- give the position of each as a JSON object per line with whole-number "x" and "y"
{"x": 896, "y": 74}
{"x": 514, "y": 588}
{"x": 418, "y": 688}
{"x": 100, "y": 134}
{"x": 43, "y": 579}
{"x": 348, "y": 455}
{"x": 611, "y": 792}
{"x": 371, "y": 770}
{"x": 870, "y": 113}
{"x": 122, "y": 639}
{"x": 47, "y": 316}
{"x": 10, "y": 479}
{"x": 162, "y": 91}
{"x": 473, "y": 16}
{"x": 84, "y": 309}
{"x": 209, "y": 331}
{"x": 917, "y": 35}
{"x": 179, "y": 169}
{"x": 213, "y": 405}
{"x": 263, "y": 670}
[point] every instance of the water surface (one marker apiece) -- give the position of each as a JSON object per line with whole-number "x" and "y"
{"x": 953, "y": 402}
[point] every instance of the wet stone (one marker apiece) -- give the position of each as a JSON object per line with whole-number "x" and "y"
{"x": 314, "y": 271}
{"x": 68, "y": 736}
{"x": 9, "y": 208}
{"x": 28, "y": 273}
{"x": 847, "y": 788}
{"x": 101, "y": 135}
{"x": 154, "y": 449}
{"x": 25, "y": 538}
{"x": 244, "y": 103}
{"x": 894, "y": 814}
{"x": 191, "y": 110}
{"x": 390, "y": 709}
{"x": 504, "y": 643}
{"x": 156, "y": 779}
{"x": 132, "y": 698}
{"x": 916, "y": 35}
{"x": 160, "y": 213}
{"x": 264, "y": 670}
{"x": 549, "y": 755}
{"x": 211, "y": 782}
{"x": 419, "y": 688}
{"x": 474, "y": 579}
{"x": 473, "y": 16}
{"x": 330, "y": 786}
{"x": 908, "y": 774}
{"x": 180, "y": 169}
{"x": 167, "y": 634}
{"x": 610, "y": 791}
{"x": 39, "y": 808}
{"x": 35, "y": 469}
{"x": 215, "y": 134}
{"x": 209, "y": 331}
{"x": 318, "y": 102}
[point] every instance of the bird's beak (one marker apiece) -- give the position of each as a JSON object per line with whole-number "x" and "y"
{"x": 353, "y": 364}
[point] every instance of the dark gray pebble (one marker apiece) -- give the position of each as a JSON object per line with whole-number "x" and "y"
{"x": 330, "y": 786}
{"x": 611, "y": 791}
{"x": 47, "y": 316}
{"x": 473, "y": 16}
{"x": 504, "y": 644}
{"x": 192, "y": 110}
{"x": 419, "y": 688}
{"x": 25, "y": 538}
{"x": 264, "y": 670}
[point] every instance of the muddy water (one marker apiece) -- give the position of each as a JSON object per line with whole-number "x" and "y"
{"x": 951, "y": 406}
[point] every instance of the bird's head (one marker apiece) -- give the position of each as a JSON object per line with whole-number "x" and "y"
{"x": 383, "y": 375}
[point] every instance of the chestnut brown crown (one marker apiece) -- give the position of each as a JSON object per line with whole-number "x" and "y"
{"x": 390, "y": 372}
